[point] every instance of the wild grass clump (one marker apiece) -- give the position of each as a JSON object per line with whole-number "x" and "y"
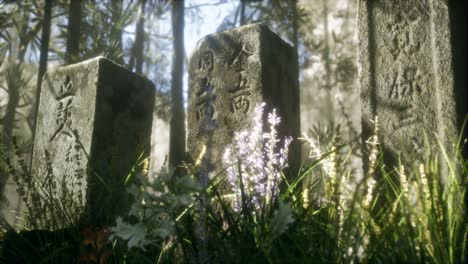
{"x": 52, "y": 202}
{"x": 330, "y": 213}
{"x": 47, "y": 229}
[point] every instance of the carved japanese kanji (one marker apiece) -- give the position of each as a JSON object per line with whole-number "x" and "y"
{"x": 406, "y": 84}
{"x": 229, "y": 73}
{"x": 85, "y": 110}
{"x": 406, "y": 77}
{"x": 241, "y": 104}
{"x": 402, "y": 33}
{"x": 63, "y": 118}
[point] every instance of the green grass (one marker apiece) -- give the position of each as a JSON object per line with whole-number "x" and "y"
{"x": 329, "y": 214}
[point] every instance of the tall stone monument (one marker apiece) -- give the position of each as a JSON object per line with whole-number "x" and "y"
{"x": 229, "y": 74}
{"x": 406, "y": 73}
{"x": 94, "y": 122}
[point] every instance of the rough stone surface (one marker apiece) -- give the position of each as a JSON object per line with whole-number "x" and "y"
{"x": 229, "y": 74}
{"x": 406, "y": 75}
{"x": 94, "y": 122}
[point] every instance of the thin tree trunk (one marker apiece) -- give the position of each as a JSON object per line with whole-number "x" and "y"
{"x": 177, "y": 130}
{"x": 116, "y": 31}
{"x": 242, "y": 12}
{"x": 8, "y": 123}
{"x": 326, "y": 59}
{"x": 43, "y": 59}
{"x": 295, "y": 24}
{"x": 10, "y": 113}
{"x": 136, "y": 59}
{"x": 12, "y": 81}
{"x": 327, "y": 45}
{"x": 141, "y": 43}
{"x": 23, "y": 36}
{"x": 8, "y": 120}
{"x": 73, "y": 33}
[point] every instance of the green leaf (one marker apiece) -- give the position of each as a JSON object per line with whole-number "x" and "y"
{"x": 135, "y": 234}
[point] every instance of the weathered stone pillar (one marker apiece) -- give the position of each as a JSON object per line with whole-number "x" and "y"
{"x": 94, "y": 122}
{"x": 229, "y": 74}
{"x": 406, "y": 76}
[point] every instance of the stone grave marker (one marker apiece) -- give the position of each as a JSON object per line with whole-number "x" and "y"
{"x": 94, "y": 122}
{"x": 406, "y": 76}
{"x": 230, "y": 72}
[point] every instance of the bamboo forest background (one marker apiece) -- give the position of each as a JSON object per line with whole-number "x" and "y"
{"x": 37, "y": 35}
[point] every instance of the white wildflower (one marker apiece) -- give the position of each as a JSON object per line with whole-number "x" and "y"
{"x": 254, "y": 162}
{"x": 370, "y": 188}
